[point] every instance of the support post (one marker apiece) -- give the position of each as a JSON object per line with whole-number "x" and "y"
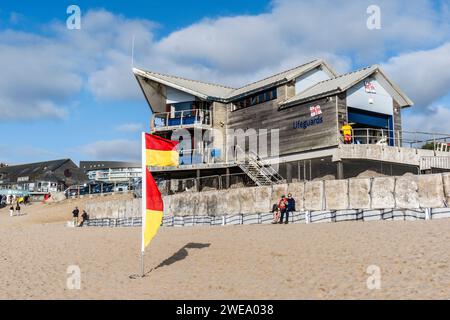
{"x": 142, "y": 264}
{"x": 307, "y": 217}
{"x": 288, "y": 172}
{"x": 340, "y": 170}
{"x": 427, "y": 214}
{"x": 197, "y": 181}
{"x": 143, "y": 200}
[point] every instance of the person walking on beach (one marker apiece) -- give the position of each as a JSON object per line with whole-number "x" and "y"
{"x": 11, "y": 210}
{"x": 18, "y": 209}
{"x": 290, "y": 207}
{"x": 75, "y": 213}
{"x": 282, "y": 204}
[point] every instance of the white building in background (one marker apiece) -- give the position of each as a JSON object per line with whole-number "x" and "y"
{"x": 111, "y": 171}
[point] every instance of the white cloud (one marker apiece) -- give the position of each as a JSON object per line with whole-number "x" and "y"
{"x": 424, "y": 75}
{"x": 119, "y": 149}
{"x": 10, "y": 153}
{"x": 43, "y": 74}
{"x": 40, "y": 75}
{"x": 130, "y": 127}
{"x": 236, "y": 49}
{"x": 433, "y": 119}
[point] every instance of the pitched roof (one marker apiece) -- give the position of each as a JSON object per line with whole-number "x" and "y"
{"x": 281, "y": 77}
{"x": 209, "y": 90}
{"x": 342, "y": 83}
{"x": 202, "y": 89}
{"x": 40, "y": 170}
{"x": 96, "y": 165}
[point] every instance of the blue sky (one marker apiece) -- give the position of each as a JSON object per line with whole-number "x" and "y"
{"x": 70, "y": 93}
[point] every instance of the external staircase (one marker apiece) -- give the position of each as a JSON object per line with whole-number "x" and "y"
{"x": 261, "y": 173}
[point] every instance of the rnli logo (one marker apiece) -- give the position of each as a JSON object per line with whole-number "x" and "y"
{"x": 316, "y": 118}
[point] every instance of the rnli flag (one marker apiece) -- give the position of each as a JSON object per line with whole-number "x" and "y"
{"x": 160, "y": 151}
{"x": 156, "y": 151}
{"x": 154, "y": 210}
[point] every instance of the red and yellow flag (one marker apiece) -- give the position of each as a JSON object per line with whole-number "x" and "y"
{"x": 154, "y": 210}
{"x": 156, "y": 151}
{"x": 160, "y": 152}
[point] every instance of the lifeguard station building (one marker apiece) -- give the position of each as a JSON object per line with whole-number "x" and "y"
{"x": 302, "y": 110}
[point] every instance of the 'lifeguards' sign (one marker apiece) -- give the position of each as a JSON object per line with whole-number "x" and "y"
{"x": 316, "y": 118}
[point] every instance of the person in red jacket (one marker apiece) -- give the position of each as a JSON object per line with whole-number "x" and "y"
{"x": 282, "y": 206}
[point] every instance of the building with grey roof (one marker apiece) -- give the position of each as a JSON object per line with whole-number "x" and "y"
{"x": 41, "y": 177}
{"x": 296, "y": 117}
{"x": 111, "y": 171}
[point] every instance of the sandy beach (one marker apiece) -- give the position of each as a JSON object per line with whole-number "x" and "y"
{"x": 315, "y": 261}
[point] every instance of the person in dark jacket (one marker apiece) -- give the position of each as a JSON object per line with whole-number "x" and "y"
{"x": 75, "y": 213}
{"x": 290, "y": 207}
{"x": 84, "y": 218}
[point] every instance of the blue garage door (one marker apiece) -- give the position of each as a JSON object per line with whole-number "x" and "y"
{"x": 372, "y": 120}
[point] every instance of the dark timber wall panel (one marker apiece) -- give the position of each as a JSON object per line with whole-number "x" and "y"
{"x": 267, "y": 116}
{"x": 397, "y": 124}
{"x": 342, "y": 110}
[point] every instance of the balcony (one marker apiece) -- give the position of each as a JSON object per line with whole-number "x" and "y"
{"x": 194, "y": 118}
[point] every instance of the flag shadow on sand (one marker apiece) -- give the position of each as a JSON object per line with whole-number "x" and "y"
{"x": 180, "y": 254}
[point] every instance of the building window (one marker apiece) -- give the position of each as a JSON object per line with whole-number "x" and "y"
{"x": 273, "y": 93}
{"x": 255, "y": 99}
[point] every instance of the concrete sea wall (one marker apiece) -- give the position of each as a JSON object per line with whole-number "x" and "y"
{"x": 404, "y": 197}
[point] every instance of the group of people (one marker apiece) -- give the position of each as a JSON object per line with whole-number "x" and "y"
{"x": 14, "y": 211}
{"x": 14, "y": 202}
{"x": 11, "y": 199}
{"x": 282, "y": 209}
{"x": 75, "y": 214}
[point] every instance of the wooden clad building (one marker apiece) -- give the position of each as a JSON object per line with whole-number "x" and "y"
{"x": 297, "y": 113}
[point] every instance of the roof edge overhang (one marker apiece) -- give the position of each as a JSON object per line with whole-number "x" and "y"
{"x": 317, "y": 63}
{"x": 285, "y": 105}
{"x": 314, "y": 64}
{"x": 249, "y": 93}
{"x": 140, "y": 73}
{"x": 407, "y": 102}
{"x": 402, "y": 99}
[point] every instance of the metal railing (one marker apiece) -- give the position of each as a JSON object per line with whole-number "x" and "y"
{"x": 193, "y": 117}
{"x": 100, "y": 188}
{"x": 231, "y": 154}
{"x": 259, "y": 171}
{"x": 435, "y": 162}
{"x": 196, "y": 156}
{"x": 400, "y": 138}
{"x": 213, "y": 182}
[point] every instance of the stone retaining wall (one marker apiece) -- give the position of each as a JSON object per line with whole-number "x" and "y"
{"x": 406, "y": 192}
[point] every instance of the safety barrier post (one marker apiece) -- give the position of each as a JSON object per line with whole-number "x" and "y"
{"x": 428, "y": 215}
{"x": 307, "y": 217}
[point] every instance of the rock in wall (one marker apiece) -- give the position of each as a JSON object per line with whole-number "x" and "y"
{"x": 382, "y": 193}
{"x": 431, "y": 190}
{"x": 359, "y": 193}
{"x": 336, "y": 194}
{"x": 406, "y": 192}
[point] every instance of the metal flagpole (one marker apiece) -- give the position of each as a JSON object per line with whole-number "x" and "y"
{"x": 144, "y": 197}
{"x": 132, "y": 52}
